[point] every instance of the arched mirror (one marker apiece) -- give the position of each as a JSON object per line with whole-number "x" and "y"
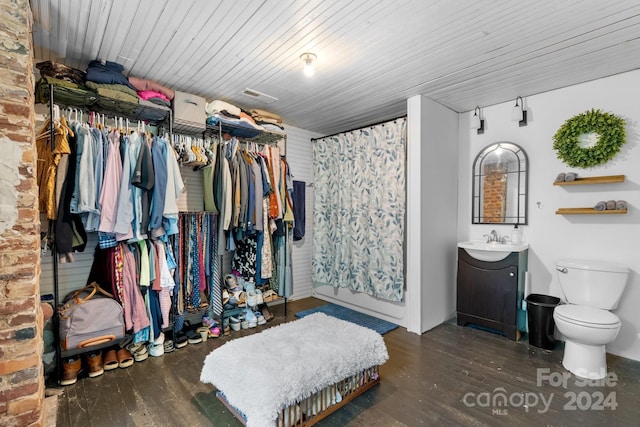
{"x": 500, "y": 185}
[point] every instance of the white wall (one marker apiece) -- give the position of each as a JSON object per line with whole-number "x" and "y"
{"x": 551, "y": 236}
{"x": 437, "y": 174}
{"x": 300, "y": 159}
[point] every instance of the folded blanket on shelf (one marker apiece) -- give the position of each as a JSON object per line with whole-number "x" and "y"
{"x": 218, "y": 106}
{"x": 66, "y": 93}
{"x": 147, "y": 94}
{"x": 159, "y": 101}
{"x": 246, "y": 118}
{"x": 601, "y": 206}
{"x": 120, "y": 88}
{"x": 611, "y": 205}
{"x": 116, "y": 94}
{"x": 235, "y": 127}
{"x": 265, "y": 116}
{"x": 107, "y": 72}
{"x": 621, "y": 205}
{"x": 61, "y": 72}
{"x": 146, "y": 85}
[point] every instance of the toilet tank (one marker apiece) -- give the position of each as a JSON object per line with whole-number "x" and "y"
{"x": 593, "y": 283}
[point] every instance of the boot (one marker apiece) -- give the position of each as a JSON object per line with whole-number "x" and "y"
{"x": 70, "y": 370}
{"x": 94, "y": 362}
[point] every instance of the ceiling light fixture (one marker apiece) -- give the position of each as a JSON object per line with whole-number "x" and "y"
{"x": 519, "y": 114}
{"x": 477, "y": 122}
{"x": 309, "y": 59}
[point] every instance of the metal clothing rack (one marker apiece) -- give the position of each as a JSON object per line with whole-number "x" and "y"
{"x": 51, "y": 226}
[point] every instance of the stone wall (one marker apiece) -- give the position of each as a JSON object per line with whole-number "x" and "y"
{"x": 21, "y": 376}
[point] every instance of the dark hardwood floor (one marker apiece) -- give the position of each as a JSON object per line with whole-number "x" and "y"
{"x": 449, "y": 376}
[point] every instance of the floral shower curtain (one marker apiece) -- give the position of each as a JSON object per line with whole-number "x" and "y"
{"x": 359, "y": 210}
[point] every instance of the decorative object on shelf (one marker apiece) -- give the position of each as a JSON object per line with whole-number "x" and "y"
{"x": 610, "y": 179}
{"x": 519, "y": 114}
{"x": 585, "y": 211}
{"x": 589, "y": 139}
{"x": 477, "y": 122}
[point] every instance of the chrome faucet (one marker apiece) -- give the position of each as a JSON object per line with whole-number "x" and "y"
{"x": 493, "y": 237}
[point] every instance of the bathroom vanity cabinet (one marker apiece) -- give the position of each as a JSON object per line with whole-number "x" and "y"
{"x": 490, "y": 293}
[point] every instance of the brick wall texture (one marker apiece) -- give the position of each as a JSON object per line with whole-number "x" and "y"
{"x": 494, "y": 193}
{"x": 21, "y": 372}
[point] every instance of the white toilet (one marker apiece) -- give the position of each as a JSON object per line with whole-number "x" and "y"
{"x": 591, "y": 289}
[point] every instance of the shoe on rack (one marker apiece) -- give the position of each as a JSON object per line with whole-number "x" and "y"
{"x": 180, "y": 340}
{"x": 252, "y": 298}
{"x": 259, "y": 299}
{"x": 159, "y": 339}
{"x": 110, "y": 360}
{"x": 235, "y": 323}
{"x": 139, "y": 351}
{"x": 194, "y": 337}
{"x": 94, "y": 363}
{"x": 125, "y": 358}
{"x": 264, "y": 309}
{"x": 156, "y": 350}
{"x": 260, "y": 317}
{"x": 168, "y": 346}
{"x": 231, "y": 283}
{"x": 251, "y": 318}
{"x": 70, "y": 370}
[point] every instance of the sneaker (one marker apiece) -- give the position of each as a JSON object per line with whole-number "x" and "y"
{"x": 260, "y": 317}
{"x": 168, "y": 346}
{"x": 181, "y": 340}
{"x": 94, "y": 363}
{"x": 251, "y": 318}
{"x": 70, "y": 370}
{"x": 235, "y": 323}
{"x": 156, "y": 350}
{"x": 194, "y": 337}
{"x": 160, "y": 339}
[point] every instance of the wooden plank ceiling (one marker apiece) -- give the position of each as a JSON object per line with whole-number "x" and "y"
{"x": 372, "y": 54}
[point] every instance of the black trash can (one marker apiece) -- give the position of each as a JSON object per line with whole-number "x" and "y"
{"x": 540, "y": 320}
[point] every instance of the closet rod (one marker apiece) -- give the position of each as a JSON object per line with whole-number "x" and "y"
{"x": 361, "y": 127}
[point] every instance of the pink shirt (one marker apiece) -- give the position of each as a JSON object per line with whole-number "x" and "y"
{"x": 111, "y": 185}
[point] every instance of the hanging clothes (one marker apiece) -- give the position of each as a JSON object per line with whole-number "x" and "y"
{"x": 48, "y": 160}
{"x": 299, "y": 203}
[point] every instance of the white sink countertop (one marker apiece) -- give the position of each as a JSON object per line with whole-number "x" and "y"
{"x": 491, "y": 252}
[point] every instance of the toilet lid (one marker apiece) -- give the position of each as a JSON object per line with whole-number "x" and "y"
{"x": 587, "y": 315}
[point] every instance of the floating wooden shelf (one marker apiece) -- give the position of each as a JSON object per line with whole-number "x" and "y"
{"x": 593, "y": 180}
{"x": 587, "y": 211}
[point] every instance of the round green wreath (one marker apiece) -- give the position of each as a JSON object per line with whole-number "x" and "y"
{"x": 611, "y": 136}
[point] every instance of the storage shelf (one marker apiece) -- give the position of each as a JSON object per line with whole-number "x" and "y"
{"x": 610, "y": 179}
{"x": 588, "y": 211}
